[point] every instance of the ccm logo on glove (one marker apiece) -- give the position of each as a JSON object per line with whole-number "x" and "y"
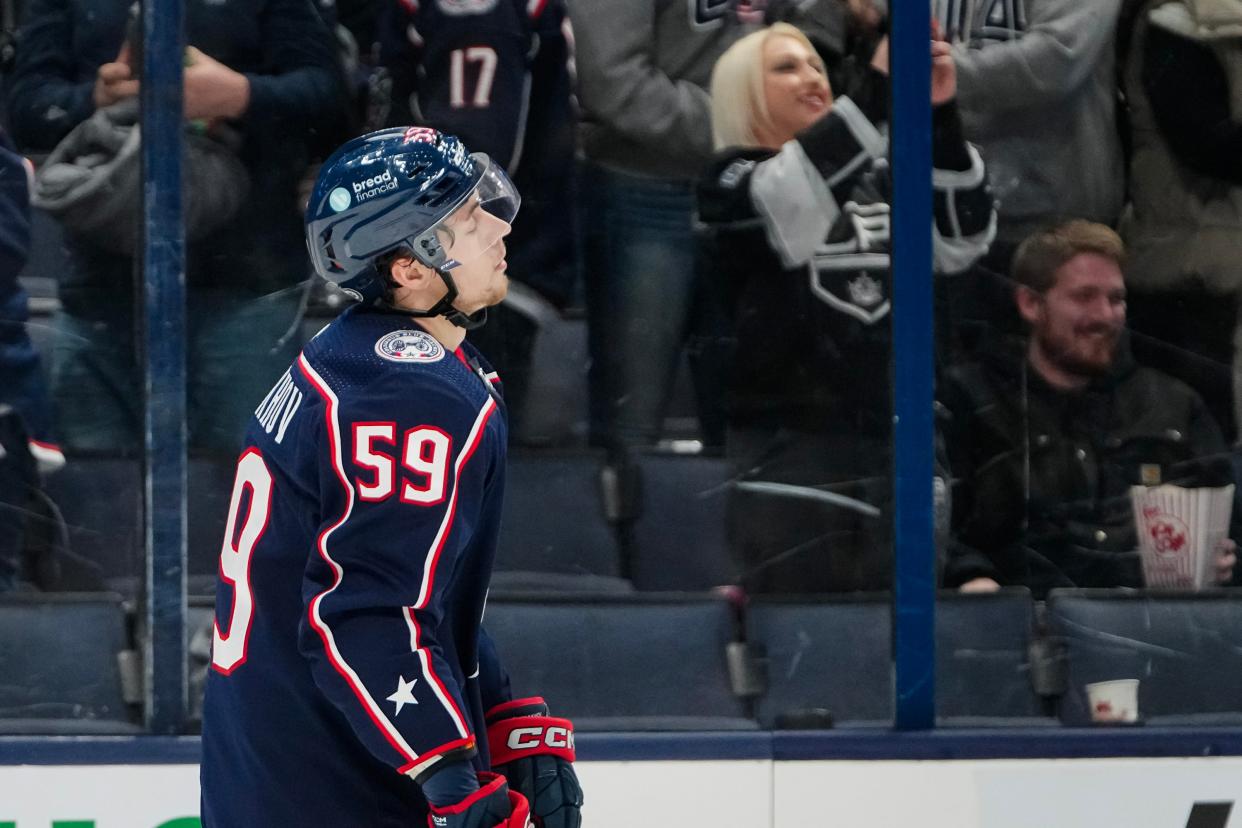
{"x": 526, "y": 738}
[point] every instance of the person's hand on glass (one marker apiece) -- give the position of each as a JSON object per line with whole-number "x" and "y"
{"x": 865, "y": 14}
{"x": 1226, "y": 559}
{"x": 879, "y": 58}
{"x": 943, "y": 70}
{"x": 978, "y": 585}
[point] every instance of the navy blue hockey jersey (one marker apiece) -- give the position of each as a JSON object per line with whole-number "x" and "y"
{"x": 360, "y": 539}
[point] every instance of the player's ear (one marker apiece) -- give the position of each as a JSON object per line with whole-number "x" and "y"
{"x": 411, "y": 273}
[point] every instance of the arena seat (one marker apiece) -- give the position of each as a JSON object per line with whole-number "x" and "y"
{"x": 49, "y": 259}
{"x": 100, "y": 498}
{"x": 1185, "y": 649}
{"x": 62, "y": 657}
{"x": 826, "y": 655}
{"x": 835, "y": 655}
{"x": 554, "y": 518}
{"x": 616, "y": 662}
{"x": 678, "y": 539}
{"x": 555, "y": 412}
{"x": 200, "y": 616}
{"x": 982, "y": 658}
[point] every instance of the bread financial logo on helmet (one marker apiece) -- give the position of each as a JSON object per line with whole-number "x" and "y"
{"x": 339, "y": 199}
{"x": 373, "y": 186}
{"x": 409, "y": 346}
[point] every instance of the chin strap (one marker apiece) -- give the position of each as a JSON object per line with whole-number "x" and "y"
{"x": 444, "y": 307}
{"x": 368, "y": 289}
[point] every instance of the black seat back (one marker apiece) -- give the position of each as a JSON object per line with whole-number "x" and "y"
{"x": 1184, "y": 648}
{"x": 62, "y": 657}
{"x": 609, "y": 661}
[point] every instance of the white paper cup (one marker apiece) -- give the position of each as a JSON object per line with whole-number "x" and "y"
{"x": 1113, "y": 702}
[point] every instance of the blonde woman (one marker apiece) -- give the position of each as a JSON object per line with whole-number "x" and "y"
{"x": 795, "y": 220}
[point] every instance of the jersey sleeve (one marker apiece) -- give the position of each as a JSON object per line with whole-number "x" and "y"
{"x": 464, "y": 72}
{"x": 493, "y": 680}
{"x": 795, "y": 195}
{"x": 964, "y": 210}
{"x": 404, "y": 474}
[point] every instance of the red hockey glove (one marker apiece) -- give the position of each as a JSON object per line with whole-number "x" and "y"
{"x": 493, "y": 805}
{"x": 535, "y": 753}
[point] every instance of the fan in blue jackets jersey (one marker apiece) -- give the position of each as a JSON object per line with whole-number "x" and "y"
{"x": 351, "y": 678}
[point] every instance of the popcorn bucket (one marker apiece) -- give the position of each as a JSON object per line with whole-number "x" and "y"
{"x": 1178, "y": 532}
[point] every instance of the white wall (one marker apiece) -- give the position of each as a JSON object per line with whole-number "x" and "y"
{"x": 1096, "y": 793}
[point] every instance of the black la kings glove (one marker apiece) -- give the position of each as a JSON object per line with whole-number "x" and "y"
{"x": 535, "y": 752}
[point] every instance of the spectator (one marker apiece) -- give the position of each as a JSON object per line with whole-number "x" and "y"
{"x": 1044, "y": 440}
{"x": 266, "y": 68}
{"x": 1037, "y": 92}
{"x": 24, "y": 388}
{"x": 1036, "y": 86}
{"x": 1182, "y": 84}
{"x": 642, "y": 70}
{"x": 796, "y": 237}
{"x": 497, "y": 76}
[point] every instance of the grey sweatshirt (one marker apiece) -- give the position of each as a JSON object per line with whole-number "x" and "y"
{"x": 643, "y": 71}
{"x": 1036, "y": 90}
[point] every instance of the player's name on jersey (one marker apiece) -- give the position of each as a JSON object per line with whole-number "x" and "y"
{"x": 278, "y": 407}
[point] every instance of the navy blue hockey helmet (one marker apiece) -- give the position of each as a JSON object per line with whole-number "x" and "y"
{"x": 392, "y": 189}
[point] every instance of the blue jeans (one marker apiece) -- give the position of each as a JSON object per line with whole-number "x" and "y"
{"x": 639, "y": 273}
{"x": 23, "y": 386}
{"x": 237, "y": 348}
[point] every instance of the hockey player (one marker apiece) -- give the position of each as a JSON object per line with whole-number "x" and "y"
{"x": 352, "y": 684}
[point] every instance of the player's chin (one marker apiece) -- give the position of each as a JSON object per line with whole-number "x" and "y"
{"x": 500, "y": 288}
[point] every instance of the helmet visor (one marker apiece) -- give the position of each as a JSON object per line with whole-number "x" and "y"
{"x": 482, "y": 220}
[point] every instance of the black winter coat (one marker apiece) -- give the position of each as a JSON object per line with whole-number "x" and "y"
{"x": 1042, "y": 476}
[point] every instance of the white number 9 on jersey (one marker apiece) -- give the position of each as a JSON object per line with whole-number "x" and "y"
{"x": 228, "y": 649}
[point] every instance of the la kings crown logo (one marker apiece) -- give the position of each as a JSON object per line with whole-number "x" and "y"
{"x": 369, "y": 188}
{"x": 970, "y": 21}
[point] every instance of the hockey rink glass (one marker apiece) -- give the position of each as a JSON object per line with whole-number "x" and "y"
{"x": 483, "y": 219}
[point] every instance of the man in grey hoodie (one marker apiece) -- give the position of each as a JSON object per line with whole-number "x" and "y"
{"x": 1037, "y": 90}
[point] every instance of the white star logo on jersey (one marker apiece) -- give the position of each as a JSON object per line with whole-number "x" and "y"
{"x": 404, "y": 694}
